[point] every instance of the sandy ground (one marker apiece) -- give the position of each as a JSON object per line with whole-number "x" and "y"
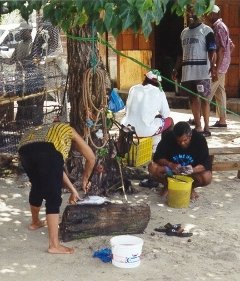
{"x": 212, "y": 253}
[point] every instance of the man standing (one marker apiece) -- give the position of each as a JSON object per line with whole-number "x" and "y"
{"x": 198, "y": 63}
{"x": 225, "y": 47}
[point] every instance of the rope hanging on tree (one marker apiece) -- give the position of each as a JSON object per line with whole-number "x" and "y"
{"x": 95, "y": 103}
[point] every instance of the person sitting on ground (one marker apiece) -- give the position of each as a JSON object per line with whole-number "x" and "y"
{"x": 42, "y": 152}
{"x": 147, "y": 109}
{"x": 182, "y": 151}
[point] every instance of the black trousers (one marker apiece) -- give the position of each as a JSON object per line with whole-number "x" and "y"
{"x": 44, "y": 167}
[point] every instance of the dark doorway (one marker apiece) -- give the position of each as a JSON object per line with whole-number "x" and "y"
{"x": 167, "y": 44}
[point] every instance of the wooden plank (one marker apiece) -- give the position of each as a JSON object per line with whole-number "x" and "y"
{"x": 8, "y": 100}
{"x": 131, "y": 73}
{"x": 226, "y": 166}
{"x": 224, "y": 150}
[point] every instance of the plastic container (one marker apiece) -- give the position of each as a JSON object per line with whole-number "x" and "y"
{"x": 126, "y": 251}
{"x": 140, "y": 154}
{"x": 179, "y": 191}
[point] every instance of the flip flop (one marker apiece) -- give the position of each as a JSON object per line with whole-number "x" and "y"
{"x": 178, "y": 233}
{"x": 206, "y": 133}
{"x": 167, "y": 227}
{"x": 218, "y": 125}
{"x": 148, "y": 183}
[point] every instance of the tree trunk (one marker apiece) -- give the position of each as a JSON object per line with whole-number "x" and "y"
{"x": 82, "y": 221}
{"x": 79, "y": 60}
{"x": 88, "y": 82}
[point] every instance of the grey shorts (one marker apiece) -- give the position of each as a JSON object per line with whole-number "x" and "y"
{"x": 199, "y": 87}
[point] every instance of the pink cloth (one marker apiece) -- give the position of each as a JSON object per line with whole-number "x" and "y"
{"x": 222, "y": 38}
{"x": 167, "y": 122}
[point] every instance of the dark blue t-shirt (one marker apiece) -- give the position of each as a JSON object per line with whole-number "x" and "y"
{"x": 195, "y": 154}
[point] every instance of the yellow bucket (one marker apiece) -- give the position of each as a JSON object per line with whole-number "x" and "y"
{"x": 179, "y": 191}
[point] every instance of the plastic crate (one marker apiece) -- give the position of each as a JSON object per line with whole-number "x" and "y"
{"x": 140, "y": 154}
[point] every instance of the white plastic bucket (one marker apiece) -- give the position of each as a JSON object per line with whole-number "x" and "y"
{"x": 126, "y": 251}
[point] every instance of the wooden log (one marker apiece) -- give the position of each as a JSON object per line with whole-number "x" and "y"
{"x": 82, "y": 221}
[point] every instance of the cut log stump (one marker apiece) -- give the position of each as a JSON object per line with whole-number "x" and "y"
{"x": 82, "y": 221}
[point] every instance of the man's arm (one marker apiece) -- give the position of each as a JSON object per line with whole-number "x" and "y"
{"x": 198, "y": 169}
{"x": 171, "y": 165}
{"x": 232, "y": 46}
{"x": 220, "y": 56}
{"x": 212, "y": 56}
{"x": 81, "y": 146}
{"x": 213, "y": 64}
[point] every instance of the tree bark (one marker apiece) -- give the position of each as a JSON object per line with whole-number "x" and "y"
{"x": 79, "y": 55}
{"x": 82, "y": 221}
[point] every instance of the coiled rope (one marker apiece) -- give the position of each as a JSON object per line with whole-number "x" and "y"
{"x": 95, "y": 103}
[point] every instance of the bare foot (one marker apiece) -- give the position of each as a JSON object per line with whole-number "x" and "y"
{"x": 194, "y": 195}
{"x": 60, "y": 250}
{"x": 39, "y": 224}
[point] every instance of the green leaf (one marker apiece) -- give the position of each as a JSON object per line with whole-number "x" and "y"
{"x": 65, "y": 24}
{"x": 147, "y": 29}
{"x": 183, "y": 3}
{"x": 79, "y": 4}
{"x": 116, "y": 26}
{"x": 99, "y": 4}
{"x": 147, "y": 4}
{"x": 159, "y": 10}
{"x": 204, "y": 6}
{"x": 48, "y": 11}
{"x": 58, "y": 15}
{"x": 108, "y": 15}
{"x": 82, "y": 19}
{"x": 128, "y": 18}
{"x": 24, "y": 11}
{"x": 100, "y": 26}
{"x": 102, "y": 152}
{"x": 131, "y": 2}
{"x": 177, "y": 9}
{"x": 200, "y": 7}
{"x": 36, "y": 5}
{"x": 210, "y": 6}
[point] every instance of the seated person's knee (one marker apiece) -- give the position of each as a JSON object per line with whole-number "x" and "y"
{"x": 152, "y": 168}
{"x": 206, "y": 178}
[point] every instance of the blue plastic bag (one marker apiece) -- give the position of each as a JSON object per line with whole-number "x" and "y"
{"x": 115, "y": 103}
{"x": 104, "y": 255}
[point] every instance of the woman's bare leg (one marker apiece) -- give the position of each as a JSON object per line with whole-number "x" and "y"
{"x": 36, "y": 222}
{"x": 54, "y": 245}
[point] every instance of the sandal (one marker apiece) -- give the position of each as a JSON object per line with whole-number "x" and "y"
{"x": 218, "y": 125}
{"x": 169, "y": 226}
{"x": 179, "y": 233}
{"x": 206, "y": 133}
{"x": 149, "y": 183}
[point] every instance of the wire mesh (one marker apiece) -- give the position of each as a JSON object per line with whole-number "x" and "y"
{"x": 32, "y": 80}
